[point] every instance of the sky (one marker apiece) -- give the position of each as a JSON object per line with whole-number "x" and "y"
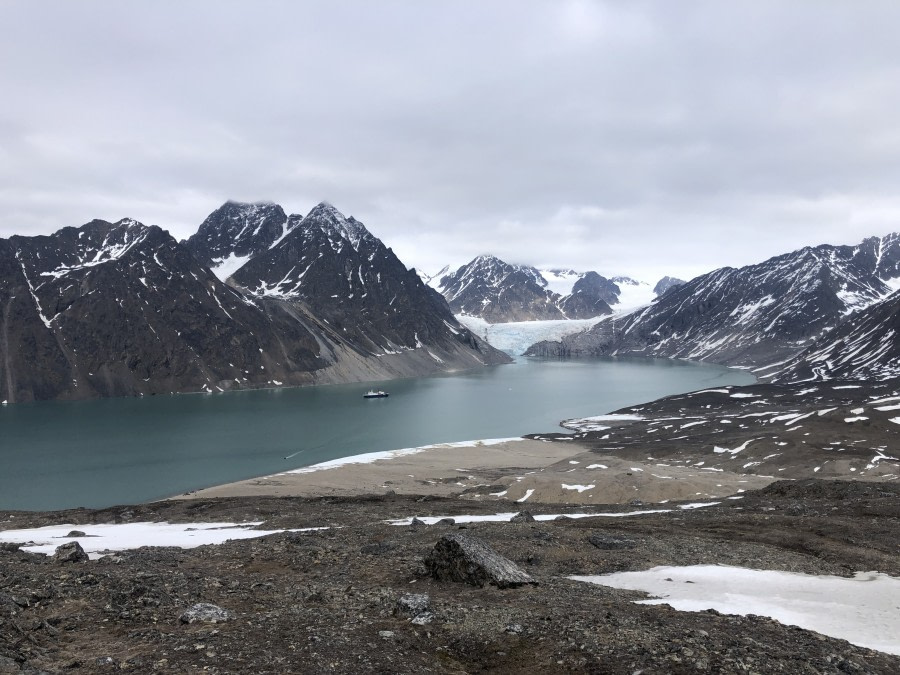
{"x": 641, "y": 138}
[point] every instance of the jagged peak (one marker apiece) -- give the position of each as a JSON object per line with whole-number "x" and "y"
{"x": 346, "y": 226}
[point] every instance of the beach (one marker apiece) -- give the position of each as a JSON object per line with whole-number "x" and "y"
{"x": 516, "y": 470}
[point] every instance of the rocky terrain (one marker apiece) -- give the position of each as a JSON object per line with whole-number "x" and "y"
{"x": 379, "y": 590}
{"x": 338, "y": 600}
{"x": 123, "y": 309}
{"x": 757, "y": 316}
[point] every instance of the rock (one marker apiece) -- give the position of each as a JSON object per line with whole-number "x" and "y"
{"x": 514, "y": 629}
{"x": 412, "y": 604}
{"x": 76, "y": 533}
{"x": 204, "y": 612}
{"x": 608, "y": 542}
{"x": 10, "y": 547}
{"x": 522, "y": 517}
{"x": 70, "y": 552}
{"x": 462, "y": 557}
{"x": 422, "y": 619}
{"x": 415, "y": 523}
{"x": 385, "y": 634}
{"x": 446, "y": 521}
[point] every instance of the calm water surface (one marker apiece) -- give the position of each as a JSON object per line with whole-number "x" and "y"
{"x": 116, "y": 451}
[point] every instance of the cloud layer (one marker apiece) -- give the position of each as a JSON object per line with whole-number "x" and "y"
{"x": 639, "y": 138}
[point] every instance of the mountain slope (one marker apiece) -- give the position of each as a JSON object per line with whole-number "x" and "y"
{"x": 124, "y": 309}
{"x": 753, "y": 316}
{"x": 865, "y": 346}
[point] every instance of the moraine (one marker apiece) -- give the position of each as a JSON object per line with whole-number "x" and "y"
{"x": 103, "y": 452}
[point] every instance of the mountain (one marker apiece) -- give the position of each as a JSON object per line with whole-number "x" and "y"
{"x": 754, "y": 316}
{"x": 666, "y": 283}
{"x": 113, "y": 309}
{"x": 118, "y": 309}
{"x": 499, "y": 292}
{"x": 343, "y": 275}
{"x": 865, "y": 346}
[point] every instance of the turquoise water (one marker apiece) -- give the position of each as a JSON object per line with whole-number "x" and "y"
{"x": 116, "y": 451}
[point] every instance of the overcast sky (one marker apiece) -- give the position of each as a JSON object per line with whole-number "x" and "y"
{"x": 642, "y": 138}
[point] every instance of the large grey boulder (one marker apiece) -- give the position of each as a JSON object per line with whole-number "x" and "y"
{"x": 462, "y": 557}
{"x": 70, "y": 552}
{"x": 522, "y": 517}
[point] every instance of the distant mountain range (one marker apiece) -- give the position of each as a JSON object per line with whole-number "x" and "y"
{"x": 112, "y": 309}
{"x": 798, "y": 311}
{"x": 499, "y": 292}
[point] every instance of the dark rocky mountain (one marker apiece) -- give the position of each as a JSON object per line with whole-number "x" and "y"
{"x": 498, "y": 292}
{"x": 591, "y": 296}
{"x": 124, "y": 309}
{"x": 666, "y": 283}
{"x": 755, "y": 316}
{"x": 343, "y": 275}
{"x": 865, "y": 346}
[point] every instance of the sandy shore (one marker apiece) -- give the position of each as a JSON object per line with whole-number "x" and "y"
{"x": 508, "y": 470}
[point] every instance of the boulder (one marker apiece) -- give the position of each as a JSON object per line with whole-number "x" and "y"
{"x": 204, "y": 612}
{"x": 463, "y": 558}
{"x": 412, "y": 604}
{"x": 522, "y": 517}
{"x": 609, "y": 542}
{"x": 70, "y": 552}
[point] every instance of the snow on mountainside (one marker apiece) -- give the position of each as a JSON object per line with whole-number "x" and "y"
{"x": 499, "y": 292}
{"x": 865, "y": 346}
{"x": 754, "y": 316}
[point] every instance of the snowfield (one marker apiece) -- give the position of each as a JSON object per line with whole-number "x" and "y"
{"x": 861, "y": 610}
{"x": 100, "y": 540}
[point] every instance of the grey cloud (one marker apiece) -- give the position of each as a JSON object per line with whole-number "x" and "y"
{"x": 640, "y": 137}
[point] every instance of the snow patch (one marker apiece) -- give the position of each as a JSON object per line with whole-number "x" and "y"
{"x": 861, "y": 610}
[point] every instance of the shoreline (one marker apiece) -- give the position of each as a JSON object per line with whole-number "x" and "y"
{"x": 507, "y": 470}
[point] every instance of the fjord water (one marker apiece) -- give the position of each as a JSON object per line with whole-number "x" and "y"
{"x": 99, "y": 453}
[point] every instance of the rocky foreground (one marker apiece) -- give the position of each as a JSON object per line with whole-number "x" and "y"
{"x": 365, "y": 594}
{"x": 348, "y": 598}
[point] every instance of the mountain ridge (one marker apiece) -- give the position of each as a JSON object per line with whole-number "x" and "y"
{"x": 755, "y": 316}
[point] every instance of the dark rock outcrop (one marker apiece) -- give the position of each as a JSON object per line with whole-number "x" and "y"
{"x": 463, "y": 558}
{"x": 71, "y": 552}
